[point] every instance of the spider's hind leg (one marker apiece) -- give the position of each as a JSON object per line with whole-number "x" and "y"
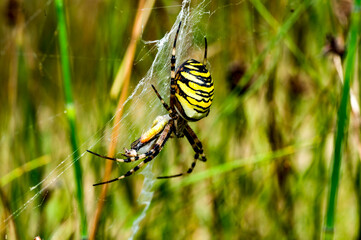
{"x": 190, "y": 170}
{"x": 195, "y": 143}
{"x": 197, "y": 147}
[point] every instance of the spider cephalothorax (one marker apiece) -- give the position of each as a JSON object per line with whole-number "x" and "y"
{"x": 191, "y": 95}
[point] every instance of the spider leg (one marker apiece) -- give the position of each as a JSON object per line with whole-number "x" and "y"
{"x": 197, "y": 147}
{"x": 180, "y": 174}
{"x": 195, "y": 142}
{"x": 126, "y": 160}
{"x": 144, "y": 142}
{"x": 165, "y": 105}
{"x": 205, "y": 52}
{"x": 158, "y": 146}
{"x": 173, "y": 85}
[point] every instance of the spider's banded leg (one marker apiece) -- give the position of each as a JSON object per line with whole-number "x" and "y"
{"x": 165, "y": 105}
{"x": 181, "y": 174}
{"x": 173, "y": 85}
{"x": 205, "y": 52}
{"x": 195, "y": 142}
{"x": 127, "y": 160}
{"x": 190, "y": 170}
{"x": 197, "y": 147}
{"x": 158, "y": 146}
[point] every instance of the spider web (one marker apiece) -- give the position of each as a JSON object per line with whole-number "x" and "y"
{"x": 159, "y": 75}
{"x": 160, "y": 69}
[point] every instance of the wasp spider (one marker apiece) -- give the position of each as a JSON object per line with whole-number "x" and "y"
{"x": 191, "y": 95}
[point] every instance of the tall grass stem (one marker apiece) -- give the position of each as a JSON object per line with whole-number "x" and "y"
{"x": 70, "y": 110}
{"x": 121, "y": 83}
{"x": 342, "y": 122}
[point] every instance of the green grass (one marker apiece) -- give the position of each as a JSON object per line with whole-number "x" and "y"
{"x": 71, "y": 113}
{"x": 282, "y": 148}
{"x": 342, "y": 119}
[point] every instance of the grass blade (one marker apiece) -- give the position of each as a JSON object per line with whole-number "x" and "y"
{"x": 27, "y": 167}
{"x": 70, "y": 109}
{"x": 342, "y": 123}
{"x": 252, "y": 160}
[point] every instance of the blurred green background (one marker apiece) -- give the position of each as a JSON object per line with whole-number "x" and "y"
{"x": 269, "y": 137}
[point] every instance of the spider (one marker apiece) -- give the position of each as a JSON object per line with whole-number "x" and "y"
{"x": 191, "y": 95}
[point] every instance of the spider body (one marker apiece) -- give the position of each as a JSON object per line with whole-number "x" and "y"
{"x": 150, "y": 135}
{"x": 194, "y": 92}
{"x": 191, "y": 95}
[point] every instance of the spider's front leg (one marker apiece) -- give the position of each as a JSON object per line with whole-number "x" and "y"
{"x": 142, "y": 145}
{"x": 165, "y": 105}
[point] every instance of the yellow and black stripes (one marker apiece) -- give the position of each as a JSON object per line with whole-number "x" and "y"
{"x": 195, "y": 90}
{"x": 191, "y": 87}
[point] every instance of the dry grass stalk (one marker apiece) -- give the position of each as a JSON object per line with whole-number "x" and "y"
{"x": 125, "y": 69}
{"x": 123, "y": 76}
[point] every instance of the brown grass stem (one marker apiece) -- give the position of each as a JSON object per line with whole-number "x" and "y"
{"x": 125, "y": 69}
{"x": 122, "y": 78}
